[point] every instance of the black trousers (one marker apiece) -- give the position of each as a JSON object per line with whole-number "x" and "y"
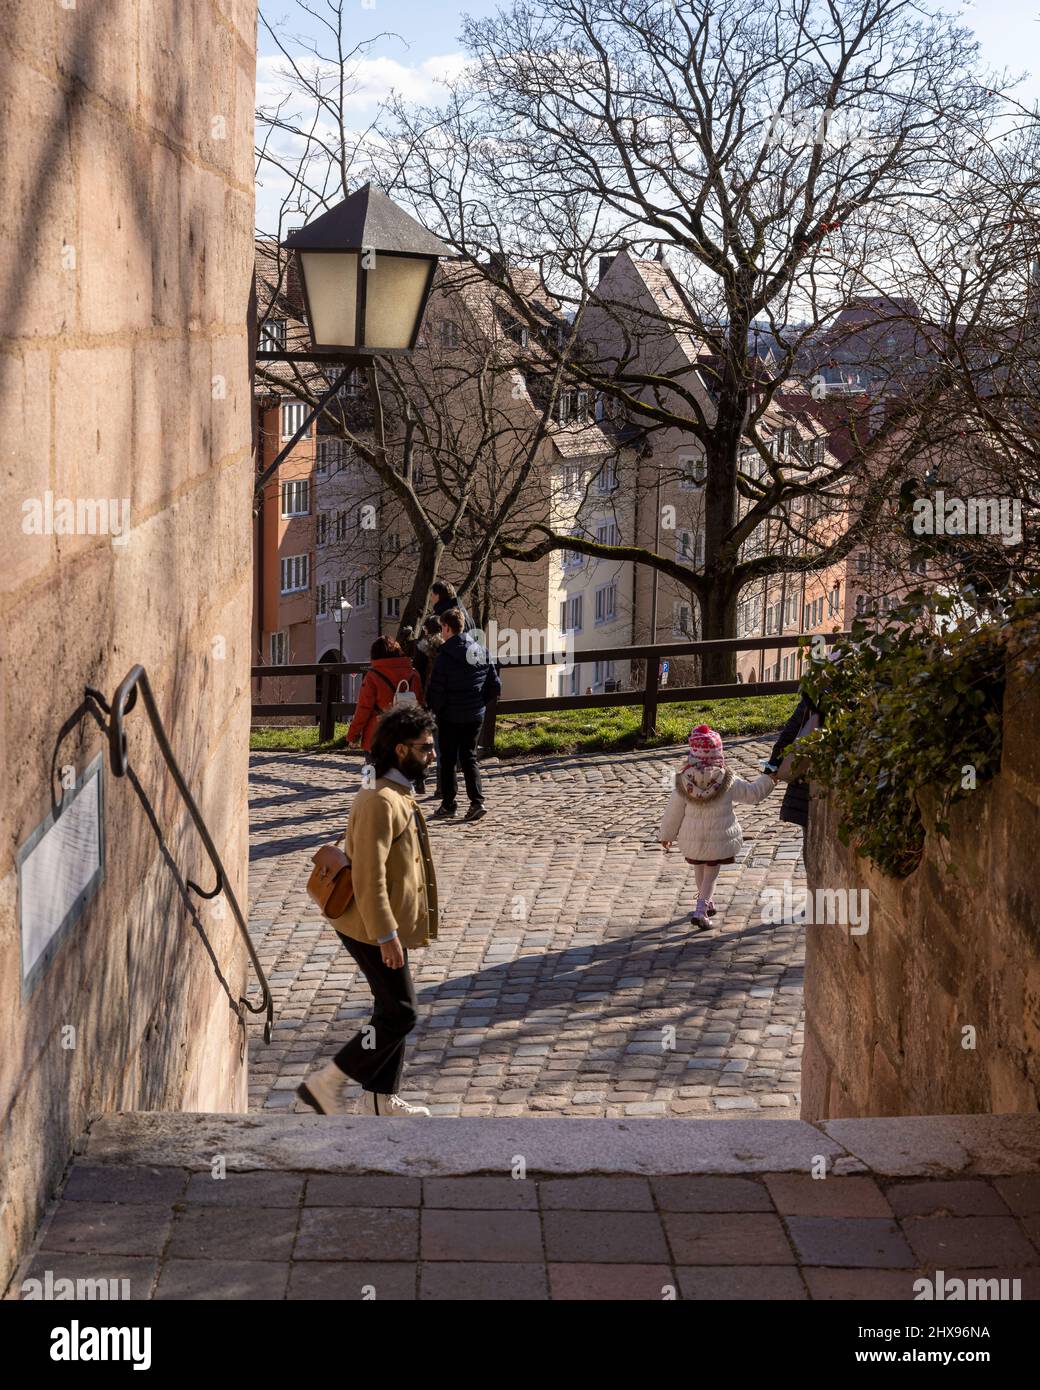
{"x": 375, "y": 1054}
{"x": 458, "y": 743}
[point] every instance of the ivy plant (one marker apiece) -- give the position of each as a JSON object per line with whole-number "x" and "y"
{"x": 913, "y": 706}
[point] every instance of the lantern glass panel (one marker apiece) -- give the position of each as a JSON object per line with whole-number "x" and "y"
{"x": 394, "y": 299}
{"x": 332, "y": 285}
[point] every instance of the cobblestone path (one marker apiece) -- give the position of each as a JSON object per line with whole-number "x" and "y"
{"x": 565, "y": 958}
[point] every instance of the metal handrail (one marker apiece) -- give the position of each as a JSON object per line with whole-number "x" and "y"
{"x": 123, "y": 702}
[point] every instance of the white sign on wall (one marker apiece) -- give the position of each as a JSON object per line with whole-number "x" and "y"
{"x": 59, "y": 869}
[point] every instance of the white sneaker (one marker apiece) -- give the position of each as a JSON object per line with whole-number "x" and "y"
{"x": 389, "y": 1107}
{"x": 323, "y": 1091}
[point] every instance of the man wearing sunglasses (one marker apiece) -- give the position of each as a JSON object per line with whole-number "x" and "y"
{"x": 394, "y": 909}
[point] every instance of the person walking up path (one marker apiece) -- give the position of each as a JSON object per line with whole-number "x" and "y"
{"x": 393, "y": 910}
{"x": 462, "y": 682}
{"x": 700, "y": 816}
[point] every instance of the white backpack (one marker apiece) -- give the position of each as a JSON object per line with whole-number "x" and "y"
{"x": 404, "y": 698}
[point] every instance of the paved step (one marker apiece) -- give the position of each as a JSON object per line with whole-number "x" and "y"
{"x": 285, "y": 1207}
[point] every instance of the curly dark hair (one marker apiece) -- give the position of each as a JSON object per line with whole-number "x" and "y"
{"x": 385, "y": 646}
{"x": 403, "y": 725}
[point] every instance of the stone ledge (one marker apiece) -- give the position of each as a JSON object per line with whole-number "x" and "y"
{"x": 912, "y": 1146}
{"x": 942, "y": 1145}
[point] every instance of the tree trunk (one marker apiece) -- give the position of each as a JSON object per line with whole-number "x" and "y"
{"x": 718, "y": 620}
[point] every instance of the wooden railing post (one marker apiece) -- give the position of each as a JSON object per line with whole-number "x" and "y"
{"x": 487, "y": 732}
{"x": 653, "y": 667}
{"x": 326, "y": 720}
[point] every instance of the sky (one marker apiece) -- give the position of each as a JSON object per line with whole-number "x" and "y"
{"x": 420, "y": 44}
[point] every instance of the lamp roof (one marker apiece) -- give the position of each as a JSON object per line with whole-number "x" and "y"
{"x": 367, "y": 219}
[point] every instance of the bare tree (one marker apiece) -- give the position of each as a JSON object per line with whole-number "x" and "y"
{"x": 793, "y": 159}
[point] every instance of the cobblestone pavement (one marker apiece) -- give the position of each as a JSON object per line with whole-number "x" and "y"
{"x": 175, "y": 1234}
{"x": 565, "y": 957}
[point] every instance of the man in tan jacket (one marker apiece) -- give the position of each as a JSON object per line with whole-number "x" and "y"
{"x": 394, "y": 909}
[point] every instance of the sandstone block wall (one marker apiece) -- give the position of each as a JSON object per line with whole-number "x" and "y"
{"x": 126, "y": 252}
{"x": 886, "y": 1011}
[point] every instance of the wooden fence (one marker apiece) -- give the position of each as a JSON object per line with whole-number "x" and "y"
{"x": 326, "y": 710}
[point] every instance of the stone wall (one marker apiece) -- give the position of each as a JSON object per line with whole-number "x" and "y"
{"x": 886, "y": 1010}
{"x": 126, "y": 252}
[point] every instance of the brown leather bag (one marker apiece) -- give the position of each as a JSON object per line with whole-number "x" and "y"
{"x": 331, "y": 885}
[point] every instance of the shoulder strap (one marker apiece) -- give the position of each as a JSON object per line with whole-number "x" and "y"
{"x": 383, "y": 677}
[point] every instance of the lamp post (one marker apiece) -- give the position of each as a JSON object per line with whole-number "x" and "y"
{"x": 366, "y": 269}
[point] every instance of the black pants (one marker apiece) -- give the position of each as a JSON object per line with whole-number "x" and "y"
{"x": 458, "y": 743}
{"x": 375, "y": 1054}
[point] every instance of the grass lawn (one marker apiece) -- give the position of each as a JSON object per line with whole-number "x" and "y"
{"x": 585, "y": 730}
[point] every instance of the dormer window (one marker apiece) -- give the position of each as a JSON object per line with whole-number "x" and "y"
{"x": 272, "y": 335}
{"x": 564, "y": 408}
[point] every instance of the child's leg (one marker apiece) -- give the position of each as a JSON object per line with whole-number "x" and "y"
{"x": 698, "y": 870}
{"x": 706, "y": 885}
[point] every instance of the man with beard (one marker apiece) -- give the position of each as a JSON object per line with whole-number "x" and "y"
{"x": 394, "y": 908}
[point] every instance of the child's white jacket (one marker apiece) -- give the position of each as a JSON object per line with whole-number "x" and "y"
{"x": 705, "y": 826}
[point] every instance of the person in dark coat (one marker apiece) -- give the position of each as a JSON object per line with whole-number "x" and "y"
{"x": 795, "y": 805}
{"x": 462, "y": 682}
{"x": 445, "y": 598}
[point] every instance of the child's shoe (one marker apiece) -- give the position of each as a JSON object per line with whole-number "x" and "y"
{"x": 699, "y": 915}
{"x": 709, "y": 907}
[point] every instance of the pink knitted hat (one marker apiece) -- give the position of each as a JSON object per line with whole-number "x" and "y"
{"x": 706, "y": 747}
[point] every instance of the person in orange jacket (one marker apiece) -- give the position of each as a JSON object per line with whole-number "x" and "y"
{"x": 389, "y": 668}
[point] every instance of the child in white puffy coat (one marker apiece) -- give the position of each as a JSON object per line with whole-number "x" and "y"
{"x": 700, "y": 818}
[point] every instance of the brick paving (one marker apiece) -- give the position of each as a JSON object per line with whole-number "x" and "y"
{"x": 565, "y": 955}
{"x": 176, "y": 1234}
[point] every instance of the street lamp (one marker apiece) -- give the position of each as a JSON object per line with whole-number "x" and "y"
{"x": 366, "y": 268}
{"x": 342, "y": 614}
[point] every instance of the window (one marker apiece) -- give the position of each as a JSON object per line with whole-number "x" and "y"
{"x": 863, "y": 562}
{"x": 338, "y": 526}
{"x": 448, "y": 332}
{"x": 572, "y": 558}
{"x": 563, "y": 407}
{"x": 352, "y": 386}
{"x": 391, "y": 607}
{"x": 607, "y": 533}
{"x": 573, "y": 480}
{"x": 321, "y": 529}
{"x": 689, "y": 546}
{"x": 279, "y": 648}
{"x": 606, "y": 603}
{"x": 361, "y": 591}
{"x": 818, "y": 612}
{"x": 296, "y": 498}
{"x": 293, "y": 415}
{"x": 332, "y": 456}
{"x": 272, "y": 335}
{"x": 919, "y": 567}
{"x": 861, "y": 605}
{"x": 603, "y": 673}
{"x": 571, "y": 614}
{"x": 600, "y": 409}
{"x": 769, "y": 619}
{"x": 806, "y": 619}
{"x": 576, "y": 681}
{"x": 581, "y": 406}
{"x": 321, "y": 600}
{"x": 606, "y": 479}
{"x": 692, "y": 472}
{"x": 832, "y": 602}
{"x": 682, "y": 620}
{"x": 786, "y": 662}
{"x": 819, "y": 448}
{"x": 296, "y": 574}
